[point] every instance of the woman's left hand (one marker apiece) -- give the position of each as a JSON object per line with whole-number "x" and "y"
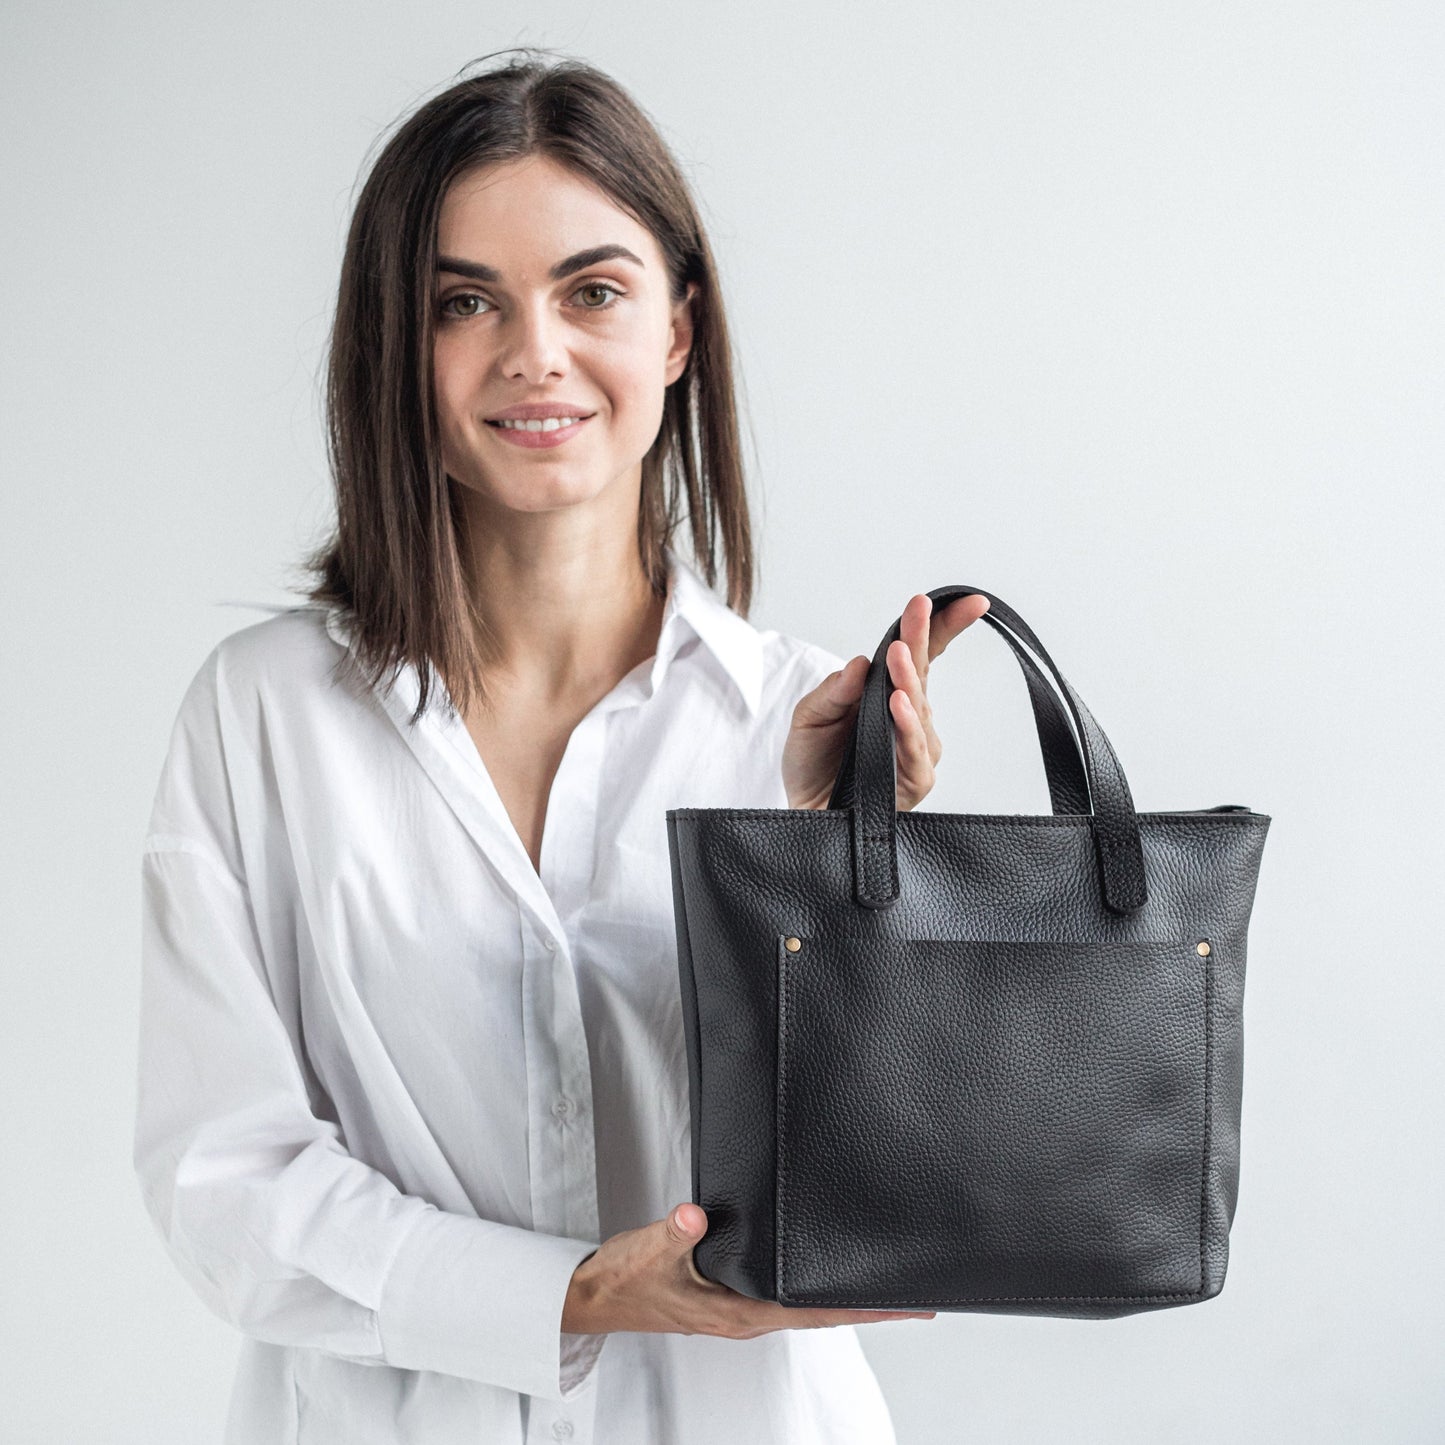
{"x": 823, "y": 718}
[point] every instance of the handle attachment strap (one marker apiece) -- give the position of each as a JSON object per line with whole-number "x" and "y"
{"x": 867, "y": 779}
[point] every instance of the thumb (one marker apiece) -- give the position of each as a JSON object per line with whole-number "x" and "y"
{"x": 685, "y": 1226}
{"x": 846, "y": 686}
{"x": 835, "y": 697}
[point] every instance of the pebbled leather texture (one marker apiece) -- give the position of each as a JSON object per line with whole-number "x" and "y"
{"x": 997, "y": 1073}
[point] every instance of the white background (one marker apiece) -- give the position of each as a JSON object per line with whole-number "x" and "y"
{"x": 1130, "y": 313}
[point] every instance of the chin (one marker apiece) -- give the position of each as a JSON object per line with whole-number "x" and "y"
{"x": 539, "y": 494}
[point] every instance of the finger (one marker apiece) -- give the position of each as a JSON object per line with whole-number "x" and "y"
{"x": 946, "y": 624}
{"x": 932, "y": 744}
{"x": 915, "y": 759}
{"x": 908, "y": 653}
{"x": 922, "y": 637}
{"x": 869, "y": 1317}
{"x": 824, "y": 1318}
{"x": 773, "y": 1316}
{"x": 904, "y": 671}
{"x": 913, "y": 631}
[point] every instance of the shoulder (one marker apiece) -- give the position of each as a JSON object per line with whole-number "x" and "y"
{"x": 293, "y": 642}
{"x": 289, "y": 657}
{"x": 217, "y": 737}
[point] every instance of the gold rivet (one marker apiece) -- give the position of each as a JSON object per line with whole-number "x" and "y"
{"x": 1202, "y": 947}
{"x": 792, "y": 944}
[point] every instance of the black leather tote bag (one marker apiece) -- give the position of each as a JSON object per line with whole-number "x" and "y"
{"x": 956, "y": 1061}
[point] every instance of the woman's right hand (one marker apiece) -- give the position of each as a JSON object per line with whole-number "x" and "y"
{"x": 644, "y": 1280}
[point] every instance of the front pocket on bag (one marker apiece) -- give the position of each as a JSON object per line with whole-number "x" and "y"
{"x": 988, "y": 1122}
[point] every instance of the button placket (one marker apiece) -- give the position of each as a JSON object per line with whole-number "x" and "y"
{"x": 568, "y": 831}
{"x": 563, "y": 1161}
{"x": 568, "y": 855}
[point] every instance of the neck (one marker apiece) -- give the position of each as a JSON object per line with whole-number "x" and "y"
{"x": 568, "y": 612}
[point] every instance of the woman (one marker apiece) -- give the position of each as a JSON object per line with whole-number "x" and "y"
{"x": 411, "y": 1041}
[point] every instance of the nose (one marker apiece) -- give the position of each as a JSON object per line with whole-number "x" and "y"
{"x": 533, "y": 345}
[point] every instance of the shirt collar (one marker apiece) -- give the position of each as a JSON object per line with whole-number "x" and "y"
{"x": 733, "y": 640}
{"x": 691, "y": 606}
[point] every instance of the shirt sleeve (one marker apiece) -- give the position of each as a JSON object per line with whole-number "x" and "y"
{"x": 275, "y": 1225}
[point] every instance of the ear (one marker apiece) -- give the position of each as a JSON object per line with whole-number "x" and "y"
{"x": 680, "y": 336}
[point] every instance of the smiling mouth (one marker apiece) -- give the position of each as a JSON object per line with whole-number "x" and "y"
{"x": 551, "y": 423}
{"x": 544, "y": 434}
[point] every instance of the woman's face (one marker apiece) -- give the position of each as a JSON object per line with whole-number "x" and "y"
{"x": 524, "y": 316}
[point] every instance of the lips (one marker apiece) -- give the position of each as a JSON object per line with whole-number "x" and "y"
{"x": 545, "y": 424}
{"x": 523, "y": 437}
{"x": 539, "y": 411}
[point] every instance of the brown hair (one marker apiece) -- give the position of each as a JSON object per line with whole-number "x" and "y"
{"x": 393, "y": 561}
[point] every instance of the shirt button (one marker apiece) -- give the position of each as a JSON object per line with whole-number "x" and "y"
{"x": 561, "y": 1429}
{"x": 550, "y": 944}
{"x": 562, "y": 1108}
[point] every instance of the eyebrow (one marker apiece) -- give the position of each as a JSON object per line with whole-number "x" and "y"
{"x": 579, "y": 261}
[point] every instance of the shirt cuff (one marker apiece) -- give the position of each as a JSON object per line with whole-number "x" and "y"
{"x": 579, "y": 1359}
{"x": 471, "y": 1297}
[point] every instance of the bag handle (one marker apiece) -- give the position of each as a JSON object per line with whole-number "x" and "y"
{"x": 1068, "y": 788}
{"x": 867, "y": 783}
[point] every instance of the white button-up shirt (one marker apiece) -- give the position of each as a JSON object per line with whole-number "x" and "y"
{"x": 394, "y": 1084}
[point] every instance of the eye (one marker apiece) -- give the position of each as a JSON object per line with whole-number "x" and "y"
{"x": 599, "y": 286}
{"x": 462, "y": 305}
{"x": 463, "y": 297}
